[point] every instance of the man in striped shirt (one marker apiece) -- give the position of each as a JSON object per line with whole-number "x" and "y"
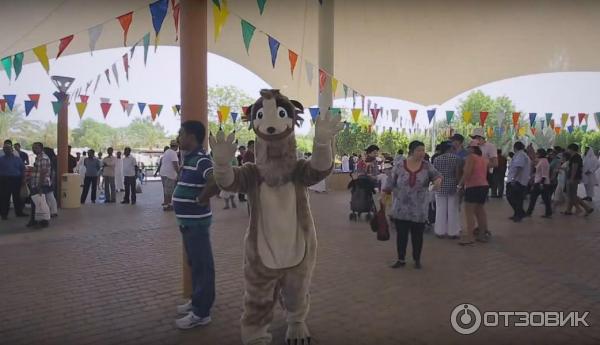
{"x": 192, "y": 210}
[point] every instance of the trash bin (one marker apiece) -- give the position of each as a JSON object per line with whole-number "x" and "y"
{"x": 70, "y": 191}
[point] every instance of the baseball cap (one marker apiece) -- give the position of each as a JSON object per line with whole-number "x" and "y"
{"x": 478, "y": 132}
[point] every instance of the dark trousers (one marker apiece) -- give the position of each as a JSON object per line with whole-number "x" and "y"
{"x": 129, "y": 189}
{"x": 89, "y": 181}
{"x": 109, "y": 188}
{"x": 545, "y": 190}
{"x": 196, "y": 241}
{"x": 10, "y": 186}
{"x": 497, "y": 182}
{"x": 403, "y": 227}
{"x": 515, "y": 194}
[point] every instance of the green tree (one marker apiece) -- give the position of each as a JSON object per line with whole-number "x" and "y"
{"x": 390, "y": 142}
{"x": 354, "y": 138}
{"x": 592, "y": 139}
{"x": 227, "y": 95}
{"x": 143, "y": 133}
{"x": 93, "y": 134}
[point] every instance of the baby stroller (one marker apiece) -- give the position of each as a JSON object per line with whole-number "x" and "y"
{"x": 361, "y": 201}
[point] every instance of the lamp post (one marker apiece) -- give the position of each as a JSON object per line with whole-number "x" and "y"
{"x": 62, "y": 130}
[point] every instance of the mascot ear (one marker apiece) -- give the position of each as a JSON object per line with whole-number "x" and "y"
{"x": 298, "y": 106}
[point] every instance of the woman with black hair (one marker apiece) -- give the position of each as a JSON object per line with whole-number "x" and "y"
{"x": 409, "y": 183}
{"x": 541, "y": 184}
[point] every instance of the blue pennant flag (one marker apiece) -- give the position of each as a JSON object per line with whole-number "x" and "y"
{"x": 234, "y": 117}
{"x": 29, "y": 104}
{"x": 10, "y": 101}
{"x": 274, "y": 47}
{"x": 142, "y": 106}
{"x": 431, "y": 114}
{"x": 532, "y": 117}
{"x": 570, "y": 129}
{"x": 158, "y": 9}
{"x": 314, "y": 113}
{"x": 542, "y": 124}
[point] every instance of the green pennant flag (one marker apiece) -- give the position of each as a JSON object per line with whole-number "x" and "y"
{"x": 261, "y": 5}
{"x": 146, "y": 44}
{"x": 56, "y": 105}
{"x": 217, "y": 3}
{"x": 584, "y": 128}
{"x": 247, "y": 33}
{"x": 18, "y": 63}
{"x": 449, "y": 116}
{"x": 7, "y": 63}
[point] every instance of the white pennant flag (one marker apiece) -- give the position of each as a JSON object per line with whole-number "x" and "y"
{"x": 394, "y": 114}
{"x": 115, "y": 73}
{"x": 309, "y": 72}
{"x": 97, "y": 82}
{"x": 94, "y": 33}
{"x": 128, "y": 109}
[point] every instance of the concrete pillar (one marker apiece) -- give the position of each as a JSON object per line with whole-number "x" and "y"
{"x": 194, "y": 93}
{"x": 326, "y": 21}
{"x": 62, "y": 130}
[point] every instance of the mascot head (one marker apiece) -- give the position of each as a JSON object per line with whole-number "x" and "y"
{"x": 273, "y": 118}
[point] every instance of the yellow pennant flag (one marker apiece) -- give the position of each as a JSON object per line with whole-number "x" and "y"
{"x": 564, "y": 119}
{"x": 81, "y": 108}
{"x": 334, "y": 83}
{"x": 356, "y": 114}
{"x": 467, "y": 116}
{"x": 224, "y": 109}
{"x": 41, "y": 53}
{"x": 220, "y": 17}
{"x": 522, "y": 131}
{"x": 490, "y": 132}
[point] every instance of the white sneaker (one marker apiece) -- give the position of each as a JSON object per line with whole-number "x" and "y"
{"x": 184, "y": 309}
{"x": 191, "y": 321}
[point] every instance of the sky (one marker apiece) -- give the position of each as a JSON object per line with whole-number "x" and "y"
{"x": 159, "y": 82}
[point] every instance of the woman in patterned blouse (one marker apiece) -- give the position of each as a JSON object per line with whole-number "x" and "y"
{"x": 409, "y": 183}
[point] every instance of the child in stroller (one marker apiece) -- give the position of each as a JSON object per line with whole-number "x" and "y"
{"x": 362, "y": 190}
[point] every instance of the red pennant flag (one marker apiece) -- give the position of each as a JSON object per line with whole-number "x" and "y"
{"x": 105, "y": 108}
{"x": 244, "y": 116}
{"x": 515, "y": 118}
{"x": 124, "y": 104}
{"x": 482, "y": 117}
{"x": 35, "y": 98}
{"x": 64, "y": 43}
{"x": 374, "y": 114}
{"x": 155, "y": 110}
{"x": 84, "y": 98}
{"x": 176, "y": 9}
{"x": 125, "y": 21}
{"x": 581, "y": 117}
{"x": 126, "y": 65}
{"x": 413, "y": 115}
{"x": 293, "y": 59}
{"x": 322, "y": 80}
{"x": 2, "y": 104}
{"x": 533, "y": 130}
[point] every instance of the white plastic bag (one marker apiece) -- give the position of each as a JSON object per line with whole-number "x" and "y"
{"x": 42, "y": 211}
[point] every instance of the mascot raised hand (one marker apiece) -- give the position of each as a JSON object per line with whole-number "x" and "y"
{"x": 280, "y": 247}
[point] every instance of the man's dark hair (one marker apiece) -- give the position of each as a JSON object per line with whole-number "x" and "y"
{"x": 413, "y": 145}
{"x": 372, "y": 148}
{"x": 519, "y": 146}
{"x": 401, "y": 152}
{"x": 7, "y": 141}
{"x": 166, "y": 148}
{"x": 250, "y": 143}
{"x": 573, "y": 147}
{"x": 196, "y": 128}
{"x": 542, "y": 153}
{"x": 242, "y": 147}
{"x": 558, "y": 149}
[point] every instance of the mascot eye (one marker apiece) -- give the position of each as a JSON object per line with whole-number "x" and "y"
{"x": 259, "y": 114}
{"x": 282, "y": 112}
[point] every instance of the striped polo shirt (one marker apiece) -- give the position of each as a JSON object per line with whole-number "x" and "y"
{"x": 192, "y": 179}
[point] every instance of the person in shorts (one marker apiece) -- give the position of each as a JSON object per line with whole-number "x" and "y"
{"x": 475, "y": 184}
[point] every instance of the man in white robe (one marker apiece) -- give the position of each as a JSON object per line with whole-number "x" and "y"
{"x": 590, "y": 168}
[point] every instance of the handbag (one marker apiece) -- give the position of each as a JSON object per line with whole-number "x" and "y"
{"x": 379, "y": 224}
{"x": 138, "y": 187}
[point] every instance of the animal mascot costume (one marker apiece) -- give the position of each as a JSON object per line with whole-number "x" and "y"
{"x": 280, "y": 246}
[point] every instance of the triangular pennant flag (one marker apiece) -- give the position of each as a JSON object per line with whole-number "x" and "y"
{"x": 18, "y": 63}
{"x": 314, "y": 112}
{"x": 7, "y": 64}
{"x": 81, "y": 108}
{"x": 178, "y": 108}
{"x": 335, "y": 111}
{"x": 570, "y": 129}
{"x": 548, "y": 118}
{"x": 483, "y": 115}
{"x": 64, "y": 43}
{"x": 394, "y": 114}
{"x": 158, "y": 10}
{"x": 584, "y": 128}
{"x": 334, "y": 84}
{"x": 115, "y": 73}
{"x": 56, "y": 105}
{"x": 522, "y": 131}
{"x": 274, "y": 48}
{"x": 532, "y": 117}
{"x": 28, "y": 106}
{"x": 146, "y": 40}
{"x": 356, "y": 114}
{"x": 542, "y": 124}
{"x": 345, "y": 87}
{"x": 2, "y": 105}
{"x": 220, "y": 117}
{"x": 234, "y": 117}
{"x": 125, "y": 21}
{"x": 467, "y": 116}
{"x": 141, "y": 106}
{"x": 413, "y": 115}
{"x": 374, "y": 113}
{"x": 126, "y": 65}
{"x": 132, "y": 50}
{"x": 449, "y": 116}
{"x": 533, "y": 130}
{"x": 94, "y": 33}
{"x": 176, "y": 10}
{"x": 563, "y": 119}
{"x": 105, "y": 108}
{"x": 124, "y": 104}
{"x": 10, "y": 101}
{"x": 155, "y": 110}
{"x": 35, "y": 97}
{"x": 107, "y": 74}
{"x": 219, "y": 18}
{"x": 557, "y": 130}
{"x": 224, "y": 109}
{"x": 84, "y": 98}
{"x": 41, "y": 52}
{"x": 431, "y": 114}
{"x": 515, "y": 118}
{"x": 490, "y": 132}
{"x": 597, "y": 117}
{"x": 247, "y": 33}
{"x": 293, "y": 57}
{"x": 309, "y": 72}
{"x": 572, "y": 121}
{"x": 174, "y": 110}
{"x": 322, "y": 80}
{"x": 129, "y": 108}
{"x": 217, "y": 3}
{"x": 581, "y": 117}
{"x": 261, "y": 5}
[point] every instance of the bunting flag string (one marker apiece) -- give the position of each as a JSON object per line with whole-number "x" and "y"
{"x": 115, "y": 73}
{"x": 220, "y": 14}
{"x": 146, "y": 40}
{"x": 10, "y": 101}
{"x": 334, "y": 84}
{"x": 129, "y": 108}
{"x": 126, "y": 65}
{"x": 105, "y": 106}
{"x": 2, "y": 105}
{"x": 124, "y": 104}
{"x": 548, "y": 118}
{"x": 125, "y": 21}
{"x": 141, "y": 106}
{"x": 394, "y": 114}
{"x": 225, "y": 111}
{"x": 597, "y": 118}
{"x": 234, "y": 116}
{"x": 572, "y": 120}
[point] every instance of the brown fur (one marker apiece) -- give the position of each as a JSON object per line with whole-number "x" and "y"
{"x": 276, "y": 160}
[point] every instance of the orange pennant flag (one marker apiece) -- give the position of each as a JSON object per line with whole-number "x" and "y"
{"x": 557, "y": 130}
{"x": 413, "y": 115}
{"x": 533, "y": 130}
{"x": 515, "y": 117}
{"x": 293, "y": 59}
{"x": 125, "y": 21}
{"x": 155, "y": 110}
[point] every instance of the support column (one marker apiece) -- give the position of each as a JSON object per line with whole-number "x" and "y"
{"x": 194, "y": 92}
{"x": 326, "y": 20}
{"x": 62, "y": 131}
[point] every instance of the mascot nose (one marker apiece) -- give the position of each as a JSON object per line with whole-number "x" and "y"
{"x": 271, "y": 130}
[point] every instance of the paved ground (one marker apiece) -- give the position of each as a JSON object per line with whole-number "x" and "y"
{"x": 110, "y": 274}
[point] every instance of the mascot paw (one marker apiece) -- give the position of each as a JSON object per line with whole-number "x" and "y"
{"x": 297, "y": 334}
